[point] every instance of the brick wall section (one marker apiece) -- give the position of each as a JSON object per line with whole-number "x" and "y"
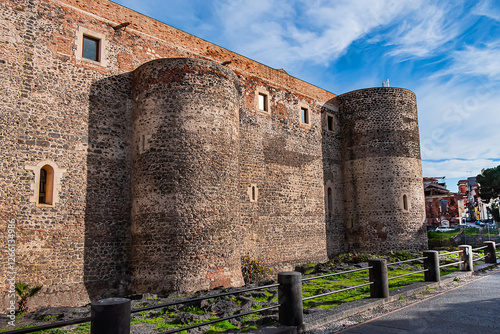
{"x": 284, "y": 160}
{"x": 381, "y": 164}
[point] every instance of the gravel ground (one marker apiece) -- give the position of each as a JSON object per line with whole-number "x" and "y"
{"x": 343, "y": 324}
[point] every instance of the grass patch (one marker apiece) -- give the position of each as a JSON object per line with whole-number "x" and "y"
{"x": 80, "y": 329}
{"x": 221, "y": 327}
{"x": 260, "y": 299}
{"x": 338, "y": 282}
{"x": 193, "y": 310}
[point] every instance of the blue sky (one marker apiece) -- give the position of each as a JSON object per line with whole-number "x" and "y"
{"x": 447, "y": 52}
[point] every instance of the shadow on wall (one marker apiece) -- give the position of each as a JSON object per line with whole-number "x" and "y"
{"x": 108, "y": 200}
{"x": 332, "y": 176}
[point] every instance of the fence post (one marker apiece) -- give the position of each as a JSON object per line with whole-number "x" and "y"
{"x": 110, "y": 316}
{"x": 466, "y": 257}
{"x": 290, "y": 299}
{"x": 378, "y": 275}
{"x": 490, "y": 252}
{"x": 431, "y": 263}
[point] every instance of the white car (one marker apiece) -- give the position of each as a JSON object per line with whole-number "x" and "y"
{"x": 444, "y": 229}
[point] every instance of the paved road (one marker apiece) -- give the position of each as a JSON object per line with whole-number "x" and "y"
{"x": 472, "y": 308}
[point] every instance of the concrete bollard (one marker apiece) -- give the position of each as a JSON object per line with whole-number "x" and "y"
{"x": 490, "y": 252}
{"x": 431, "y": 263}
{"x": 378, "y": 275}
{"x": 110, "y": 316}
{"x": 466, "y": 257}
{"x": 290, "y": 299}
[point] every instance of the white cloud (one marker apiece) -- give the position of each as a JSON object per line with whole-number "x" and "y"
{"x": 486, "y": 8}
{"x": 426, "y": 29}
{"x": 477, "y": 61}
{"x": 459, "y": 120}
{"x": 282, "y": 33}
{"x": 455, "y": 169}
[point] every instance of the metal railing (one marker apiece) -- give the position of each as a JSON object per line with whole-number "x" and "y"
{"x": 113, "y": 315}
{"x": 340, "y": 290}
{"x": 193, "y": 300}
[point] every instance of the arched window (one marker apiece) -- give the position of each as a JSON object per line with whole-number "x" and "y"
{"x": 405, "y": 202}
{"x": 46, "y": 185}
{"x": 330, "y": 201}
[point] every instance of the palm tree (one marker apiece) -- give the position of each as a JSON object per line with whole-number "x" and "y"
{"x": 25, "y": 293}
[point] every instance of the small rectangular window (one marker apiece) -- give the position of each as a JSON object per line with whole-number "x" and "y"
{"x": 90, "y": 48}
{"x": 263, "y": 105}
{"x": 304, "y": 115}
{"x": 329, "y": 123}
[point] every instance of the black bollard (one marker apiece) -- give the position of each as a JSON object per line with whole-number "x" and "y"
{"x": 290, "y": 299}
{"x": 466, "y": 257}
{"x": 490, "y": 252}
{"x": 110, "y": 316}
{"x": 431, "y": 263}
{"x": 378, "y": 275}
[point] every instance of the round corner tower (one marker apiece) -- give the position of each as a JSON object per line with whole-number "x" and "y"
{"x": 382, "y": 171}
{"x": 185, "y": 177}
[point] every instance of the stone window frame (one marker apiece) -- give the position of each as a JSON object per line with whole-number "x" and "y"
{"x": 253, "y": 192}
{"x": 52, "y": 189}
{"x": 267, "y": 107}
{"x": 80, "y": 35}
{"x": 308, "y": 123}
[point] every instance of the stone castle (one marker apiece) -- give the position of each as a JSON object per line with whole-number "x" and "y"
{"x": 139, "y": 158}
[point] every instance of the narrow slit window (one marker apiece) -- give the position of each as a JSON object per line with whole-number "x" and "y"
{"x": 263, "y": 103}
{"x": 330, "y": 201}
{"x": 304, "y": 115}
{"x": 46, "y": 185}
{"x": 329, "y": 123}
{"x": 91, "y": 48}
{"x": 43, "y": 186}
{"x": 405, "y": 202}
{"x": 253, "y": 193}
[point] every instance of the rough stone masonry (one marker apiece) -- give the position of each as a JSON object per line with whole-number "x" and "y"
{"x": 138, "y": 158}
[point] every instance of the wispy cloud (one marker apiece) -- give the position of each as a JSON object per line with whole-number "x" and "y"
{"x": 282, "y": 32}
{"x": 457, "y": 168}
{"x": 487, "y": 8}
{"x": 424, "y": 30}
{"x": 477, "y": 61}
{"x": 456, "y": 119}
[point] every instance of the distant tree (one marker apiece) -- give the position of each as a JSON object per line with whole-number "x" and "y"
{"x": 494, "y": 211}
{"x": 489, "y": 183}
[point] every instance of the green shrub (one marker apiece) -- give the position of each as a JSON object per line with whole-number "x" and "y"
{"x": 354, "y": 257}
{"x": 401, "y": 255}
{"x": 25, "y": 292}
{"x": 254, "y": 270}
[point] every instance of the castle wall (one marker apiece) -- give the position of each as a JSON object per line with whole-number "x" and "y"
{"x": 185, "y": 209}
{"x": 381, "y": 167}
{"x": 76, "y": 115}
{"x": 334, "y": 213}
{"x": 282, "y": 159}
{"x": 168, "y": 168}
{"x": 70, "y": 116}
